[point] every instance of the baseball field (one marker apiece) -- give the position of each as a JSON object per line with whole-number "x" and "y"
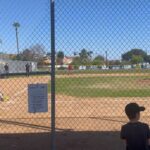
{"x": 88, "y": 106}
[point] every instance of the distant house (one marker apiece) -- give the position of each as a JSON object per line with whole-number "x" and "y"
{"x": 67, "y": 60}
{"x": 7, "y": 56}
{"x": 47, "y": 60}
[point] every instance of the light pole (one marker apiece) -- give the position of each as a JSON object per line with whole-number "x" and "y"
{"x": 16, "y": 26}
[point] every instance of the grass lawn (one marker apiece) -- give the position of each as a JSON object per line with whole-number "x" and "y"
{"x": 61, "y": 72}
{"x": 104, "y": 86}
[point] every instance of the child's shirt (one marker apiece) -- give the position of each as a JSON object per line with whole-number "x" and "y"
{"x": 136, "y": 135}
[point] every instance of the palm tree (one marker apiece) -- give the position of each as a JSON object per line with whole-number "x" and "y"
{"x": 16, "y": 26}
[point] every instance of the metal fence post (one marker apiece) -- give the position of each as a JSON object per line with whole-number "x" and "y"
{"x": 53, "y": 136}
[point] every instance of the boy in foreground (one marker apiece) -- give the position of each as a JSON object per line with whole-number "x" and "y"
{"x": 135, "y": 133}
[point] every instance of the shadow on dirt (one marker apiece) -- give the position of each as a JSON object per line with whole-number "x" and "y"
{"x": 65, "y": 140}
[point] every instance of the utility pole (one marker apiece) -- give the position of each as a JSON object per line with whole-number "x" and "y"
{"x": 106, "y": 59}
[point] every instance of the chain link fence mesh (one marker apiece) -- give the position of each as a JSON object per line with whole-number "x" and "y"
{"x": 102, "y": 50}
{"x": 24, "y": 60}
{"x": 102, "y": 64}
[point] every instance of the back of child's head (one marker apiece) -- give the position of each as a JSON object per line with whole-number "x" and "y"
{"x": 132, "y": 109}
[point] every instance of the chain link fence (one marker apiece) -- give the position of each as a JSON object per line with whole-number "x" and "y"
{"x": 24, "y": 55}
{"x": 102, "y": 62}
{"x": 105, "y": 50}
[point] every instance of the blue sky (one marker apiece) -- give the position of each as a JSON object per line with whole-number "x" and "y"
{"x": 115, "y": 26}
{"x": 33, "y": 16}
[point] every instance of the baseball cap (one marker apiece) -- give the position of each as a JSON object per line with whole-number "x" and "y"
{"x": 133, "y": 108}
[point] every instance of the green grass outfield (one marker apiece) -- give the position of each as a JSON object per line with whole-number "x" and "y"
{"x": 132, "y": 71}
{"x": 134, "y": 86}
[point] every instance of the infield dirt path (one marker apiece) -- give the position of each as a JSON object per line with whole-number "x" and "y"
{"x": 79, "y": 114}
{"x": 81, "y": 123}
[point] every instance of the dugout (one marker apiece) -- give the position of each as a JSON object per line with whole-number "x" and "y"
{"x": 16, "y": 66}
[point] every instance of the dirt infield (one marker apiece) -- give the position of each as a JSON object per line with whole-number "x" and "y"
{"x": 93, "y": 110}
{"x": 76, "y": 118}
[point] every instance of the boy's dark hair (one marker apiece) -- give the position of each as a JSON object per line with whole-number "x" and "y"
{"x": 131, "y": 116}
{"x": 132, "y": 109}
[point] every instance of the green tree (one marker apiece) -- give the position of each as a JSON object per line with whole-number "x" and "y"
{"x": 34, "y": 53}
{"x": 85, "y": 57}
{"x": 60, "y": 57}
{"x": 98, "y": 60}
{"x": 136, "y": 59}
{"x": 125, "y": 63}
{"x": 128, "y": 56}
{"x": 21, "y": 57}
{"x": 147, "y": 58}
{"x": 76, "y": 62}
{"x": 27, "y": 55}
{"x": 114, "y": 62}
